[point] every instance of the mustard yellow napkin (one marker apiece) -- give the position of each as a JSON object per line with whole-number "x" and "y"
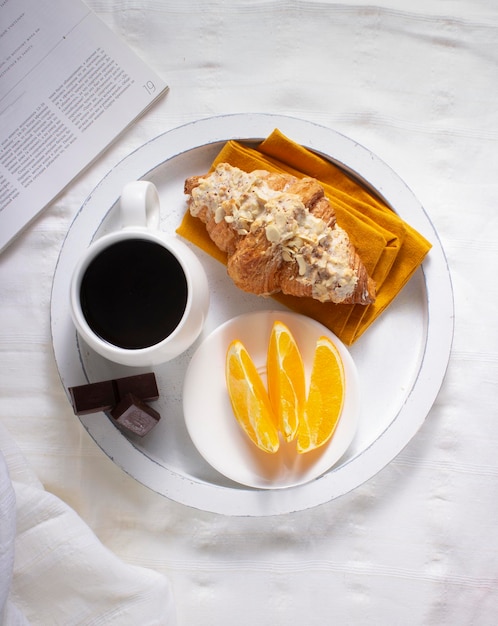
{"x": 390, "y": 249}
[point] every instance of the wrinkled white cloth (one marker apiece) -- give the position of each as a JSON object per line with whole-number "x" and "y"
{"x": 59, "y": 572}
{"x": 7, "y": 536}
{"x": 417, "y": 84}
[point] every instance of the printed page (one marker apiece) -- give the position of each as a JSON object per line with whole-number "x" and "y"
{"x": 68, "y": 87}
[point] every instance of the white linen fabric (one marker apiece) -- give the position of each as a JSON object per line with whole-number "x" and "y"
{"x": 62, "y": 572}
{"x": 7, "y": 534}
{"x": 417, "y": 84}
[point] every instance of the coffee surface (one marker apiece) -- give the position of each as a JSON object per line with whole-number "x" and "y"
{"x": 134, "y": 294}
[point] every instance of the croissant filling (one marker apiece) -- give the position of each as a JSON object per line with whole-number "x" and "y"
{"x": 258, "y": 203}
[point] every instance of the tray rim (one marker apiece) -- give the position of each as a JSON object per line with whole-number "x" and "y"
{"x": 378, "y": 176}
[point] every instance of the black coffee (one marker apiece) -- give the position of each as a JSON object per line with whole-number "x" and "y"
{"x": 134, "y": 294}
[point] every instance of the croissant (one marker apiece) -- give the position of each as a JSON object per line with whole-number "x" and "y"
{"x": 280, "y": 235}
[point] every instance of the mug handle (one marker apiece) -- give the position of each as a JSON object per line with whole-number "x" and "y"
{"x": 139, "y": 205}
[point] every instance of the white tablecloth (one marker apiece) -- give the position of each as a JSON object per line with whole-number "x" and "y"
{"x": 416, "y": 83}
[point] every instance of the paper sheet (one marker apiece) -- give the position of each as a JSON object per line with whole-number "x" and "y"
{"x": 68, "y": 87}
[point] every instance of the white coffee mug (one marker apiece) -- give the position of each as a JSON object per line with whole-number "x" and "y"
{"x": 138, "y": 296}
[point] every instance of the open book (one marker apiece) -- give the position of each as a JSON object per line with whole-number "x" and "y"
{"x": 68, "y": 88}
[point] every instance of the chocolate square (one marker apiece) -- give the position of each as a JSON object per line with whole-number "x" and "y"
{"x": 142, "y": 386}
{"x": 93, "y": 397}
{"x": 135, "y": 416}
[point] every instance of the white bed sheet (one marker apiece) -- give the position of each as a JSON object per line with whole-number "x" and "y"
{"x": 417, "y": 544}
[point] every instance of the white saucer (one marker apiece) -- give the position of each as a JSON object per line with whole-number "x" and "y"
{"x": 210, "y": 420}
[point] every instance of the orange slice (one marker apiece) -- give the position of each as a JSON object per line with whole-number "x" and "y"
{"x": 325, "y": 398}
{"x": 286, "y": 379}
{"x": 249, "y": 398}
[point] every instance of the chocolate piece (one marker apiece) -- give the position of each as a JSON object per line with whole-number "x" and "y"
{"x": 142, "y": 386}
{"x": 134, "y": 416}
{"x": 103, "y": 396}
{"x": 93, "y": 397}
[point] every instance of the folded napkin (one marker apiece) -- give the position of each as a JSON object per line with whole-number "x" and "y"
{"x": 390, "y": 249}
{"x": 62, "y": 573}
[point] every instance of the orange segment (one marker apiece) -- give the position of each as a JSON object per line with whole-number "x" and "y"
{"x": 325, "y": 398}
{"x": 286, "y": 379}
{"x": 249, "y": 398}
